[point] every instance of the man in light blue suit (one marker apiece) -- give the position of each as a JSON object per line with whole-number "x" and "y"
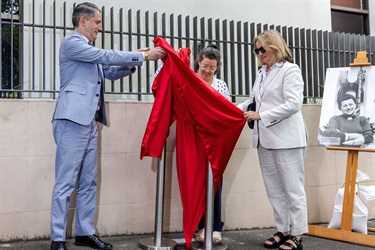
{"x": 79, "y": 106}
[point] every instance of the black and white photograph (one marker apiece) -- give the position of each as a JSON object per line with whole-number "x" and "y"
{"x": 348, "y": 108}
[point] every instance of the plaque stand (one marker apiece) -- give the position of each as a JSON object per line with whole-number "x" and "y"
{"x": 208, "y": 243}
{"x": 157, "y": 242}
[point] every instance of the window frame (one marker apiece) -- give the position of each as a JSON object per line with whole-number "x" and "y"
{"x": 363, "y": 12}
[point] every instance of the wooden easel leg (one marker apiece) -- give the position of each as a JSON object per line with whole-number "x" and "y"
{"x": 349, "y": 191}
{"x": 345, "y": 233}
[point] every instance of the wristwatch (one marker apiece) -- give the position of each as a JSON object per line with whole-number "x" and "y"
{"x": 145, "y": 55}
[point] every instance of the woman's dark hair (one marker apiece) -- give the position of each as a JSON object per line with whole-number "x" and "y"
{"x": 351, "y": 88}
{"x": 83, "y": 9}
{"x": 345, "y": 97}
{"x": 211, "y": 52}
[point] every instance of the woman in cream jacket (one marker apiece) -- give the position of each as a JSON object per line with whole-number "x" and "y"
{"x": 280, "y": 136}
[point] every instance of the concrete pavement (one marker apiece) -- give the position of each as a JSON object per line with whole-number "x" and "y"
{"x": 235, "y": 240}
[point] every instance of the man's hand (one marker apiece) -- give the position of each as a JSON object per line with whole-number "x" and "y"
{"x": 154, "y": 53}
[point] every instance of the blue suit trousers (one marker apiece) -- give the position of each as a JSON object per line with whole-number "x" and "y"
{"x": 76, "y": 167}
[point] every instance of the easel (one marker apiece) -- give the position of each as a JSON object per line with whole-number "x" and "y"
{"x": 345, "y": 232}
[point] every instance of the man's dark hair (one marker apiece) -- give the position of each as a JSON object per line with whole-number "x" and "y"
{"x": 83, "y": 9}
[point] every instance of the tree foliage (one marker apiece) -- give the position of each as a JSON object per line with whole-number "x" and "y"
{"x": 9, "y": 42}
{"x": 10, "y": 7}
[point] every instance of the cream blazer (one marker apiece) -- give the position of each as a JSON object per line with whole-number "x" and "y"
{"x": 281, "y": 125}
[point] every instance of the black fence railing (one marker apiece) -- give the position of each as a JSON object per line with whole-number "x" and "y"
{"x": 34, "y": 38}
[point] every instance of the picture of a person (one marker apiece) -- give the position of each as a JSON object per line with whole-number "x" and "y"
{"x": 349, "y": 129}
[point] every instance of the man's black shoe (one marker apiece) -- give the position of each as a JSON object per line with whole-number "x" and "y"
{"x": 92, "y": 241}
{"x": 58, "y": 245}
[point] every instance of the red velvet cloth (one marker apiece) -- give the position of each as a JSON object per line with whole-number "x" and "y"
{"x": 208, "y": 126}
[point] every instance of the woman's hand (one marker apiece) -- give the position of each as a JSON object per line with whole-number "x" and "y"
{"x": 251, "y": 115}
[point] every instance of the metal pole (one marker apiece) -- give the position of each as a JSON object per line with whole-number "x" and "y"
{"x": 156, "y": 242}
{"x": 209, "y": 209}
{"x": 208, "y": 243}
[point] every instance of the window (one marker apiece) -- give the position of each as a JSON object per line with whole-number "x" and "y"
{"x": 350, "y": 16}
{"x": 10, "y": 48}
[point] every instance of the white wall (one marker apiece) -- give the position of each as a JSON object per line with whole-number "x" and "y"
{"x": 126, "y": 184}
{"x": 372, "y": 17}
{"x": 299, "y": 13}
{"x": 313, "y": 14}
{"x": 309, "y": 14}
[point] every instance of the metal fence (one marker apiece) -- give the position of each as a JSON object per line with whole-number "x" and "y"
{"x": 33, "y": 69}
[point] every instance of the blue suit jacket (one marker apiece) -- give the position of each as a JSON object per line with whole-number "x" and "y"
{"x": 82, "y": 72}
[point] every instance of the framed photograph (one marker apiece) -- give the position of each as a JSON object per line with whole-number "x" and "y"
{"x": 348, "y": 109}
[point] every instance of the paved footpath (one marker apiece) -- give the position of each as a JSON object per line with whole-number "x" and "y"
{"x": 235, "y": 240}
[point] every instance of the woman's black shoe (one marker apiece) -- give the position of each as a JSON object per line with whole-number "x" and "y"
{"x": 275, "y": 243}
{"x": 296, "y": 241}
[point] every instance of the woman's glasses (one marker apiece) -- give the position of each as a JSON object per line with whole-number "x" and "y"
{"x": 205, "y": 67}
{"x": 261, "y": 49}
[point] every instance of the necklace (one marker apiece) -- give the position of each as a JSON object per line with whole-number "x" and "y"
{"x": 269, "y": 69}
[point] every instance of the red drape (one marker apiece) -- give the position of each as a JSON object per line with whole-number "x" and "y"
{"x": 208, "y": 126}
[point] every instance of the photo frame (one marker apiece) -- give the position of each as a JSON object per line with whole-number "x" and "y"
{"x": 346, "y": 89}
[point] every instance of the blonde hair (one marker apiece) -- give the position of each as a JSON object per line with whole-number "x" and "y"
{"x": 272, "y": 40}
